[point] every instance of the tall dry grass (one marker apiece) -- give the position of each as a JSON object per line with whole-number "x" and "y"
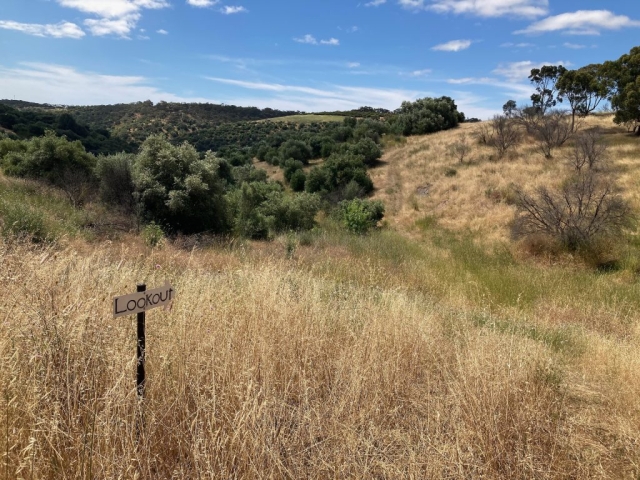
{"x": 413, "y": 180}
{"x": 270, "y": 368}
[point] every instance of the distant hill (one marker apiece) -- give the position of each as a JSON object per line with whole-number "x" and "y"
{"x": 34, "y": 122}
{"x": 134, "y": 122}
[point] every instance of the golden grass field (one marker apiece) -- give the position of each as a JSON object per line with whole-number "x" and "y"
{"x": 430, "y": 349}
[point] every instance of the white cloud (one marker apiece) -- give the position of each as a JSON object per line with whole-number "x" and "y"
{"x": 334, "y": 97}
{"x": 453, "y": 46}
{"x": 420, "y": 73}
{"x": 228, "y": 10}
{"x": 113, "y": 8}
{"x": 202, "y": 3}
{"x": 56, "y": 84}
{"x": 311, "y": 40}
{"x": 375, "y": 3}
{"x": 517, "y": 45}
{"x": 307, "y": 39}
{"x": 470, "y": 81}
{"x": 482, "y": 8}
{"x": 59, "y": 30}
{"x": 353, "y": 65}
{"x": 582, "y": 22}
{"x": 115, "y": 17}
{"x": 332, "y": 41}
{"x": 574, "y": 46}
{"x": 162, "y": 32}
{"x": 113, "y": 26}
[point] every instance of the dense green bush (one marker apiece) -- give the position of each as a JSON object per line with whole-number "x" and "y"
{"x": 48, "y": 158}
{"x": 337, "y": 172}
{"x": 115, "y": 176}
{"x": 261, "y": 210}
{"x": 361, "y": 215}
{"x": 298, "y": 180}
{"x": 368, "y": 149}
{"x": 177, "y": 189}
{"x": 295, "y": 149}
{"x": 427, "y": 115}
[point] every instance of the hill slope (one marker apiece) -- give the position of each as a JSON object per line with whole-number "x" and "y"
{"x": 422, "y": 178}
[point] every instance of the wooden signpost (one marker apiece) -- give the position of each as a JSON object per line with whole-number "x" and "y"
{"x": 138, "y": 303}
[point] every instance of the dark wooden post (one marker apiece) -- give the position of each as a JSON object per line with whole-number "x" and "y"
{"x": 141, "y": 349}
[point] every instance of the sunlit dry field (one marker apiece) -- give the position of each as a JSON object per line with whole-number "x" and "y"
{"x": 425, "y": 350}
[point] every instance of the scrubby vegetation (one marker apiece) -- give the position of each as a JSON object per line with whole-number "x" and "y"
{"x": 355, "y": 298}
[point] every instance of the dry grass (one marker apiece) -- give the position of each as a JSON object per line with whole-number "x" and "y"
{"x": 416, "y": 352}
{"x": 267, "y": 368}
{"x": 413, "y": 181}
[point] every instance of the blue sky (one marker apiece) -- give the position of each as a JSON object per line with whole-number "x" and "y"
{"x": 308, "y": 55}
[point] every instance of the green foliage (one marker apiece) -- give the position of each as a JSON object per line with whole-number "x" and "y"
{"x": 115, "y": 176}
{"x": 153, "y": 235}
{"x": 545, "y": 80}
{"x": 298, "y": 180}
{"x": 34, "y": 122}
{"x": 291, "y": 166}
{"x": 368, "y": 150}
{"x": 295, "y": 149}
{"x": 361, "y": 215}
{"x": 427, "y": 115}
{"x": 48, "y": 158}
{"x": 178, "y": 190}
{"x": 245, "y": 174}
{"x": 261, "y": 210}
{"x": 337, "y": 172}
{"x": 624, "y": 77}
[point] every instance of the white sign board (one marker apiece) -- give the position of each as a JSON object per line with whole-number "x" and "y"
{"x": 143, "y": 301}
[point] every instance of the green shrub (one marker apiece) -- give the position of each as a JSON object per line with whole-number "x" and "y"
{"x": 298, "y": 180}
{"x": 359, "y": 216}
{"x": 115, "y": 177}
{"x": 337, "y": 172}
{"x": 48, "y": 158}
{"x": 153, "y": 235}
{"x": 177, "y": 189}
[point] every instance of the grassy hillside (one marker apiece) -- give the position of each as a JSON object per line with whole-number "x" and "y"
{"x": 433, "y": 348}
{"x": 423, "y": 178}
{"x": 307, "y": 118}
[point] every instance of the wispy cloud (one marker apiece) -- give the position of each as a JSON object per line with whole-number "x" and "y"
{"x": 202, "y": 3}
{"x": 453, "y": 46}
{"x": 582, "y": 22}
{"x": 517, "y": 45}
{"x": 317, "y": 99}
{"x": 574, "y": 46}
{"x": 482, "y": 8}
{"x": 332, "y": 41}
{"x": 308, "y": 38}
{"x": 162, "y": 32}
{"x": 420, "y": 73}
{"x": 353, "y": 65}
{"x": 375, "y": 3}
{"x": 58, "y": 84}
{"x": 58, "y": 30}
{"x": 229, "y": 10}
{"x": 311, "y": 40}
